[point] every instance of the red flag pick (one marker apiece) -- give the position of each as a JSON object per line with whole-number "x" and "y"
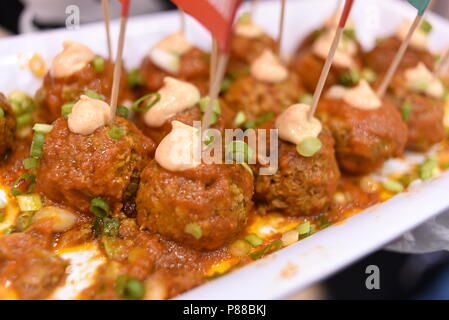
{"x": 217, "y": 16}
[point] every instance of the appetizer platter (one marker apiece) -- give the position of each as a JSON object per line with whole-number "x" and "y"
{"x": 102, "y": 197}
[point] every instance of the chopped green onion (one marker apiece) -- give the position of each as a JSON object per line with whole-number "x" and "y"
{"x": 426, "y": 27}
{"x": 204, "y": 103}
{"x": 30, "y": 163}
{"x": 98, "y": 63}
{"x": 2, "y": 217}
{"x": 92, "y": 94}
{"x": 240, "y": 151}
{"x": 349, "y": 33}
{"x": 264, "y": 118}
{"x": 42, "y": 128}
{"x": 239, "y": 248}
{"x": 21, "y": 102}
{"x": 303, "y": 228}
{"x": 290, "y": 237}
{"x": 27, "y": 178}
{"x": 350, "y": 78}
{"x": 406, "y": 111}
{"x": 306, "y": 99}
{"x": 273, "y": 246}
{"x": 254, "y": 240}
{"x": 136, "y": 105}
{"x": 2, "y": 113}
{"x": 309, "y": 146}
{"x": 245, "y": 18}
{"x": 9, "y": 230}
{"x": 24, "y": 120}
{"x": 29, "y": 202}
{"x": 134, "y": 78}
{"x": 225, "y": 84}
{"x": 130, "y": 288}
{"x": 209, "y": 138}
{"x": 323, "y": 222}
{"x": 66, "y": 109}
{"x": 122, "y": 112}
{"x": 194, "y": 230}
{"x": 23, "y": 221}
{"x": 106, "y": 226}
{"x": 445, "y": 96}
{"x": 250, "y": 124}
{"x": 429, "y": 169}
{"x": 420, "y": 85}
{"x": 393, "y": 186}
{"x": 239, "y": 118}
{"x": 37, "y": 145}
{"x": 116, "y": 132}
{"x": 99, "y": 207}
{"x": 369, "y": 75}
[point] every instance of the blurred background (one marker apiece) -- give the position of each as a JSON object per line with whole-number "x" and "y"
{"x": 402, "y": 276}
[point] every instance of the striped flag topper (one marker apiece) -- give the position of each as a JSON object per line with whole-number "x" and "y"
{"x": 217, "y": 16}
{"x": 421, "y": 5}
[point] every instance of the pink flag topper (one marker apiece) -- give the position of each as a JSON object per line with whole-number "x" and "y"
{"x": 125, "y": 7}
{"x": 215, "y": 15}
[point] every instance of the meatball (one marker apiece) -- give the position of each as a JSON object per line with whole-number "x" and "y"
{"x": 244, "y": 50}
{"x": 307, "y": 65}
{"x": 224, "y": 121}
{"x": 423, "y": 115}
{"x": 379, "y": 58}
{"x": 364, "y": 138}
{"x": 256, "y": 98}
{"x": 194, "y": 68}
{"x": 216, "y": 199}
{"x": 55, "y": 92}
{"x": 302, "y": 186}
{"x": 27, "y": 263}
{"x": 76, "y": 168}
{"x": 7, "y": 126}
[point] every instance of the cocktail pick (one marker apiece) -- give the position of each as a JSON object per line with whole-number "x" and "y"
{"x": 118, "y": 61}
{"x": 328, "y": 64}
{"x": 106, "y": 18}
{"x": 281, "y": 27}
{"x": 421, "y": 6}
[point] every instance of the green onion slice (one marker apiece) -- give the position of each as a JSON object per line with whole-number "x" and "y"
{"x": 136, "y": 105}
{"x": 406, "y": 111}
{"x": 24, "y": 120}
{"x": 28, "y": 179}
{"x": 122, "y": 112}
{"x": 426, "y": 27}
{"x": 194, "y": 230}
{"x": 99, "y": 207}
{"x": 30, "y": 163}
{"x": 306, "y": 99}
{"x": 98, "y": 63}
{"x": 37, "y": 145}
{"x": 92, "y": 94}
{"x": 309, "y": 146}
{"x": 254, "y": 240}
{"x": 2, "y": 113}
{"x": 239, "y": 119}
{"x": 204, "y": 103}
{"x": 134, "y": 78}
{"x": 273, "y": 246}
{"x": 116, "y": 132}
{"x": 42, "y": 128}
{"x": 393, "y": 186}
{"x": 303, "y": 228}
{"x": 24, "y": 221}
{"x": 66, "y": 109}
{"x": 130, "y": 288}
{"x": 240, "y": 151}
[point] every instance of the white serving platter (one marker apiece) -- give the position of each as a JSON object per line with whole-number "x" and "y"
{"x": 298, "y": 266}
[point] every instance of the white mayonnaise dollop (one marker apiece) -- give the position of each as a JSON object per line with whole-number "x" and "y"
{"x": 421, "y": 79}
{"x": 73, "y": 58}
{"x": 294, "y": 125}
{"x": 88, "y": 115}
{"x": 362, "y": 96}
{"x": 346, "y": 50}
{"x": 419, "y": 39}
{"x": 178, "y": 151}
{"x": 248, "y": 30}
{"x": 268, "y": 68}
{"x": 176, "y": 96}
{"x": 167, "y": 52}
